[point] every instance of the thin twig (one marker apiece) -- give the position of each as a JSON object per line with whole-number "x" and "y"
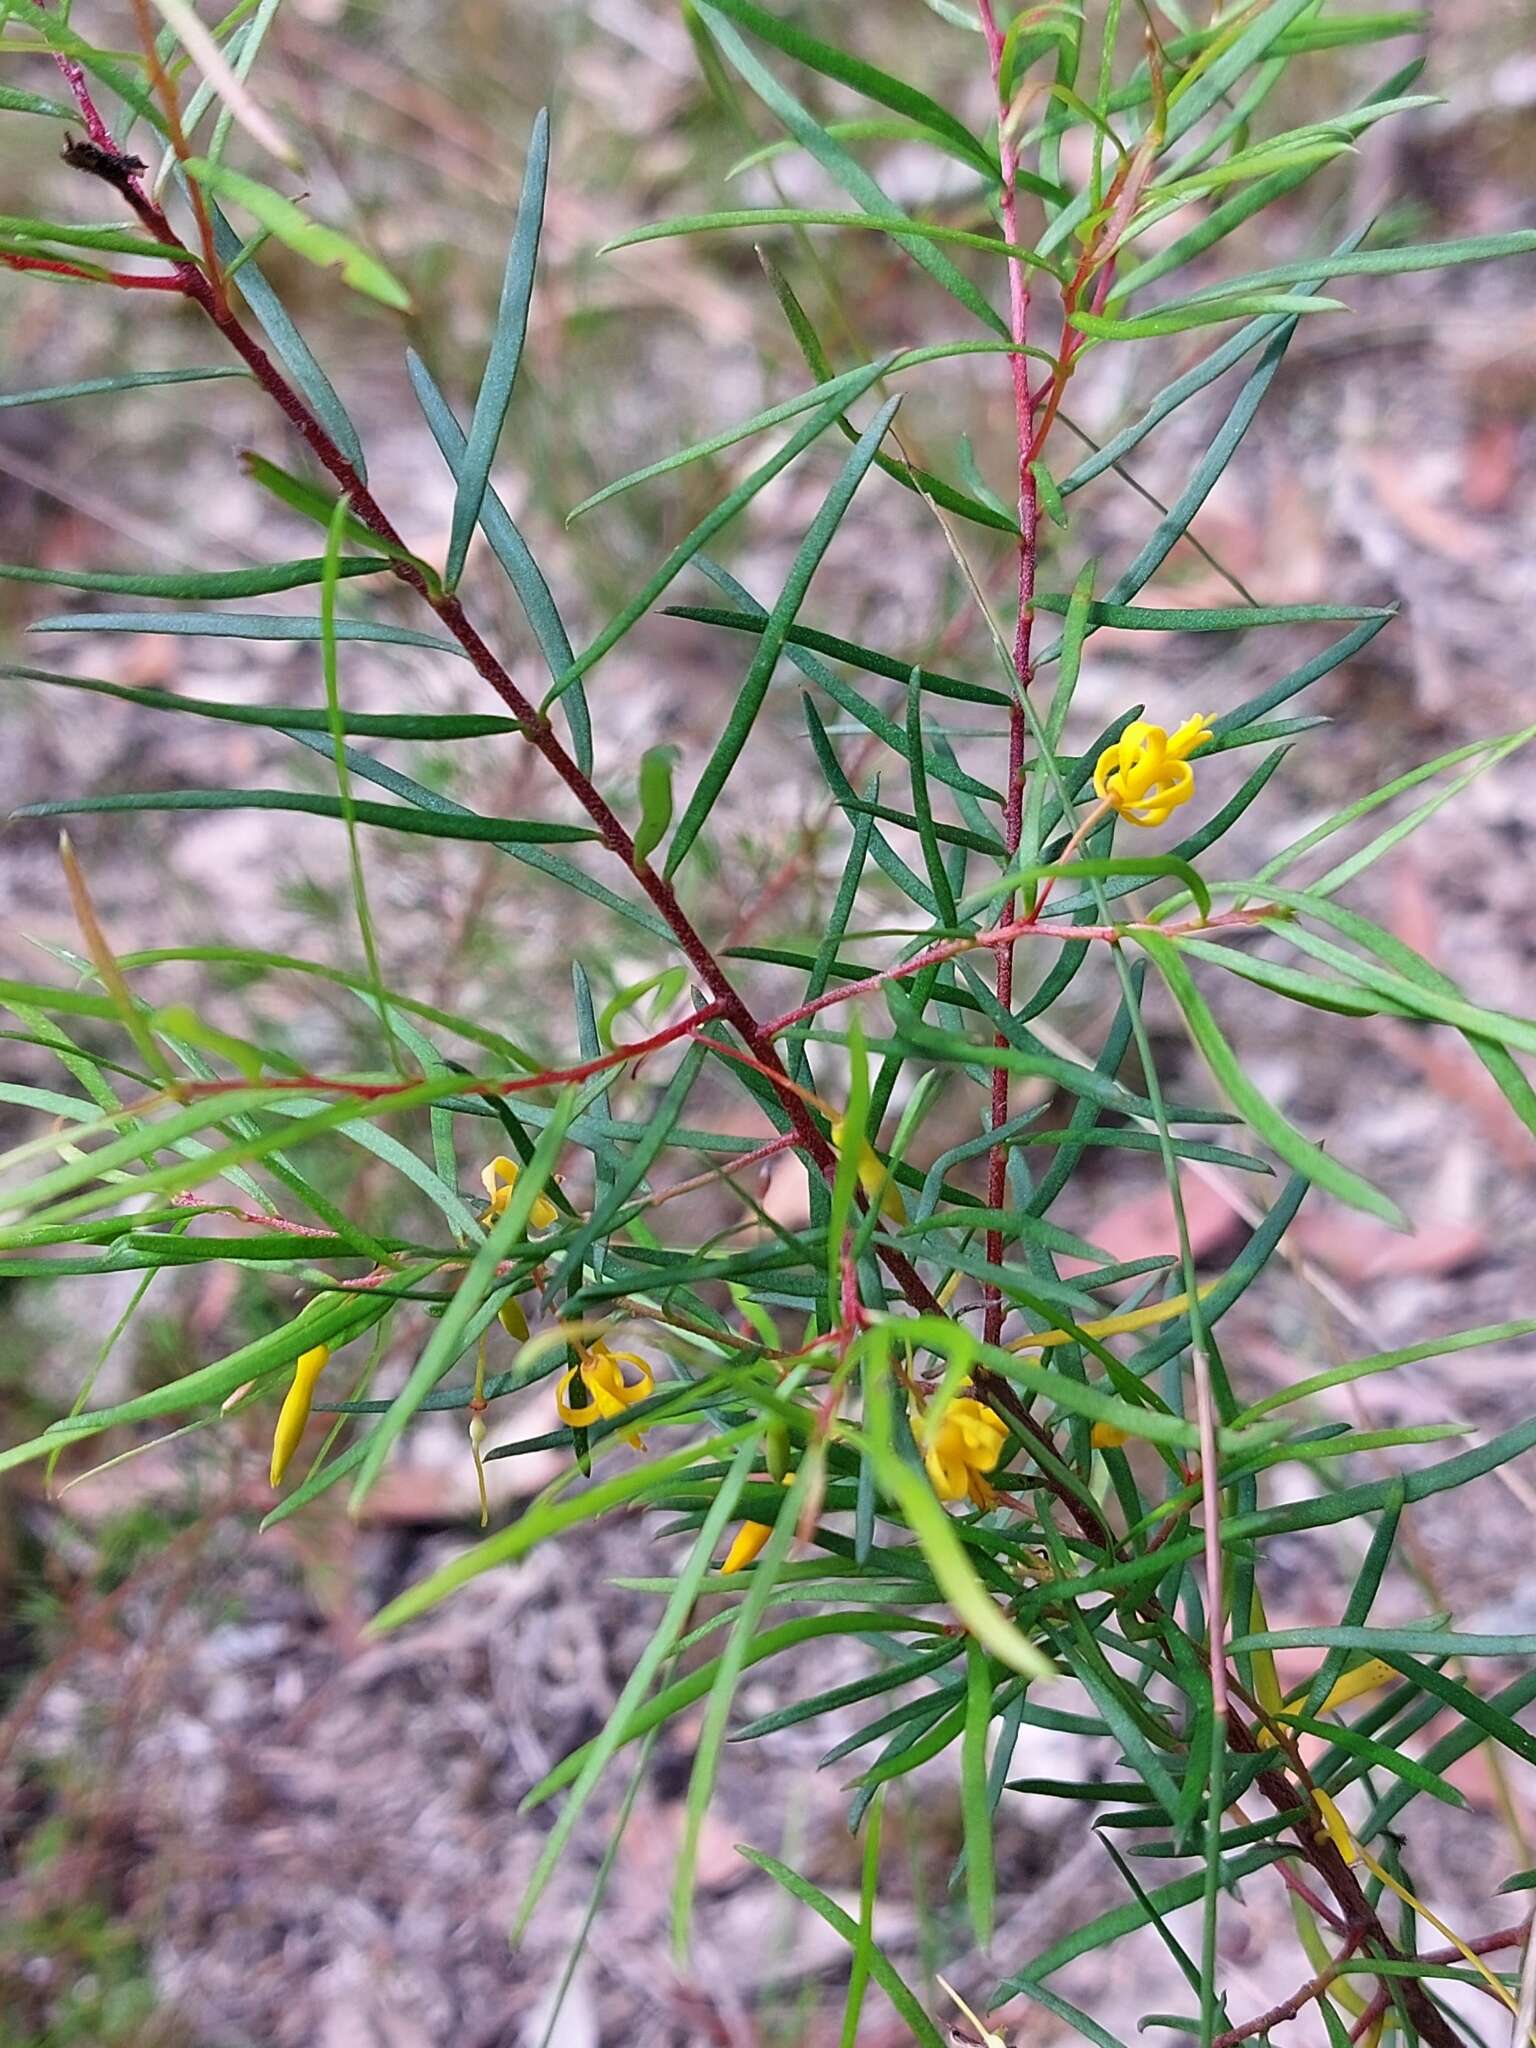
{"x": 1288, "y": 2008}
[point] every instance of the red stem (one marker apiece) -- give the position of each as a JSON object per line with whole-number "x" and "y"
{"x": 1013, "y": 809}
{"x": 125, "y": 281}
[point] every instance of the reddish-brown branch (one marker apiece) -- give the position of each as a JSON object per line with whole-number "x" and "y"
{"x": 164, "y": 87}
{"x": 1288, "y": 2008}
{"x": 1013, "y": 803}
{"x": 512, "y": 1084}
{"x": 125, "y": 281}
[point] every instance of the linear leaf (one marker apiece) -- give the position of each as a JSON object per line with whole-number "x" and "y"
{"x": 398, "y": 725}
{"x": 1390, "y": 262}
{"x": 879, "y": 1964}
{"x": 704, "y": 532}
{"x": 901, "y": 229}
{"x": 194, "y": 587}
{"x": 862, "y": 77}
{"x": 1256, "y": 1110}
{"x": 505, "y": 353}
{"x": 551, "y": 864}
{"x": 392, "y": 817}
{"x": 1198, "y": 313}
{"x": 513, "y": 553}
{"x": 1210, "y": 618}
{"x": 308, "y": 238}
{"x": 240, "y": 626}
{"x": 854, "y": 179}
{"x": 293, "y": 352}
{"x": 130, "y": 380}
{"x": 754, "y": 688}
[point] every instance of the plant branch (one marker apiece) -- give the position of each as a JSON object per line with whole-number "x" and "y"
{"x": 1013, "y": 805}
{"x": 1288, "y": 2008}
{"x": 125, "y": 281}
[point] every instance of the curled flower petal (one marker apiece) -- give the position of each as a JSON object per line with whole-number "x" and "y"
{"x": 966, "y": 1445}
{"x": 294, "y": 1413}
{"x": 612, "y": 1381}
{"x": 1145, "y": 774}
{"x": 499, "y": 1179}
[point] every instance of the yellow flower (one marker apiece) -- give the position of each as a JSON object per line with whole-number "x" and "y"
{"x": 747, "y": 1542}
{"x": 877, "y": 1183}
{"x": 602, "y": 1376}
{"x": 967, "y": 1443}
{"x": 499, "y": 1179}
{"x": 1146, "y": 774}
{"x": 1104, "y": 1436}
{"x": 294, "y": 1413}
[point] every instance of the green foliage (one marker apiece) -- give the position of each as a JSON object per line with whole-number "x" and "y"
{"x": 943, "y": 1432}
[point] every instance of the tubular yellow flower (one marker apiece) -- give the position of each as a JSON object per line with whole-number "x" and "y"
{"x": 294, "y": 1413}
{"x": 966, "y": 1445}
{"x": 612, "y": 1382}
{"x": 499, "y": 1179}
{"x": 1146, "y": 774}
{"x": 747, "y": 1542}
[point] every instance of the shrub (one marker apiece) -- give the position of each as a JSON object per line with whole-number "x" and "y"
{"x": 911, "y": 1417}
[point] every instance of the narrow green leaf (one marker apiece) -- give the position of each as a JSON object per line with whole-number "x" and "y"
{"x": 656, "y": 765}
{"x": 1121, "y": 1920}
{"x": 850, "y": 175}
{"x": 190, "y": 586}
{"x": 1209, "y": 618}
{"x": 14, "y": 101}
{"x": 862, "y": 77}
{"x": 1198, "y": 313}
{"x": 295, "y": 230}
{"x": 292, "y": 351}
{"x": 901, "y": 228}
{"x": 16, "y": 228}
{"x": 457, "y": 1324}
{"x": 864, "y": 1944}
{"x": 318, "y": 503}
{"x": 1389, "y": 262}
{"x": 731, "y": 1663}
{"x": 1266, "y": 1121}
{"x": 975, "y": 1796}
{"x": 552, "y": 864}
{"x": 659, "y": 1647}
{"x": 241, "y": 626}
{"x": 505, "y": 353}
{"x": 404, "y": 725}
{"x": 130, "y": 380}
{"x": 516, "y": 558}
{"x": 704, "y": 532}
{"x": 879, "y": 1964}
{"x": 754, "y": 688}
{"x": 391, "y": 817}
